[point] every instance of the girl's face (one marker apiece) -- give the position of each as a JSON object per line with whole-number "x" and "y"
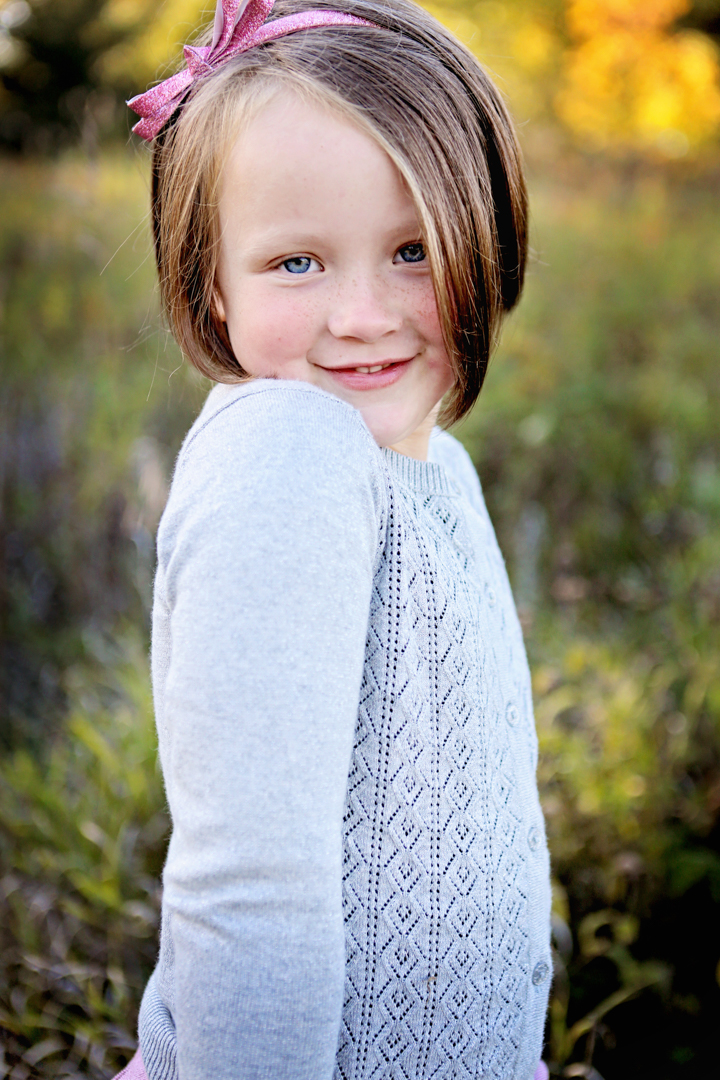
{"x": 322, "y": 274}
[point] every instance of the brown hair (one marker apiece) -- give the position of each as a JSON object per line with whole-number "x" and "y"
{"x": 427, "y": 101}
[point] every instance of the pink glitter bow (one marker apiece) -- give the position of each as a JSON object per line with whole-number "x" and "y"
{"x": 239, "y": 26}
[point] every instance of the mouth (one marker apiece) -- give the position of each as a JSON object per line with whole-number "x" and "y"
{"x": 370, "y": 376}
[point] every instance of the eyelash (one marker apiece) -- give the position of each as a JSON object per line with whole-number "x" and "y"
{"x": 417, "y": 245}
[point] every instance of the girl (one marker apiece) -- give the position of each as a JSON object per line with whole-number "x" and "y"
{"x": 357, "y": 880}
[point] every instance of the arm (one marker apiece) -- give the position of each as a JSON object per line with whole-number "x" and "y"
{"x": 266, "y": 552}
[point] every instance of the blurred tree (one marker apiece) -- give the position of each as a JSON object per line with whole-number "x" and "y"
{"x": 51, "y": 94}
{"x": 629, "y": 75}
{"x": 633, "y": 78}
{"x": 134, "y": 62}
{"x": 56, "y": 85}
{"x": 704, "y": 15}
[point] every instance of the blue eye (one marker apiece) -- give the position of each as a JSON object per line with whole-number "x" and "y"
{"x": 412, "y": 253}
{"x": 299, "y": 264}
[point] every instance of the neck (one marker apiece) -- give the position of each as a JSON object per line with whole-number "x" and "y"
{"x": 417, "y": 444}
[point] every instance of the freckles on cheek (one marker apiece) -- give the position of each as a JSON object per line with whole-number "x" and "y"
{"x": 272, "y": 329}
{"x": 427, "y": 314}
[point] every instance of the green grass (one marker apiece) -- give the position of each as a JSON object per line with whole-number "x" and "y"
{"x": 82, "y": 842}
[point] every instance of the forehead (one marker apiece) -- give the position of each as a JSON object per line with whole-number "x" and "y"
{"x": 300, "y": 159}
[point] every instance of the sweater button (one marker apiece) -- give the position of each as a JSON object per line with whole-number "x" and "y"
{"x": 511, "y": 714}
{"x": 491, "y": 597}
{"x": 534, "y": 838}
{"x": 540, "y": 972}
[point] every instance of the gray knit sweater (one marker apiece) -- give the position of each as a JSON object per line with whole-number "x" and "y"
{"x": 357, "y": 882}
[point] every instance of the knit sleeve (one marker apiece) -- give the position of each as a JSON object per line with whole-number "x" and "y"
{"x": 266, "y": 555}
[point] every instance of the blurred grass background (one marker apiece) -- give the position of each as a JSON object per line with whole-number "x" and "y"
{"x": 598, "y": 444}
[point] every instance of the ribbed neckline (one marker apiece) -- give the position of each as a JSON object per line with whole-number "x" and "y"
{"x": 423, "y": 476}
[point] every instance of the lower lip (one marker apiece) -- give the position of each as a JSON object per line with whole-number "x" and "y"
{"x": 373, "y": 380}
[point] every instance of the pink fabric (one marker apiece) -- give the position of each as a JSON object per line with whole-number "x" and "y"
{"x": 542, "y": 1072}
{"x": 239, "y": 26}
{"x": 134, "y": 1070}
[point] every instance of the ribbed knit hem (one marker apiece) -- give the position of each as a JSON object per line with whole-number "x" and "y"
{"x": 157, "y": 1035}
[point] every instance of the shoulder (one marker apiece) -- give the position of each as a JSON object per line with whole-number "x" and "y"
{"x": 287, "y": 415}
{"x": 277, "y": 431}
{"x": 268, "y": 448}
{"x": 449, "y": 452}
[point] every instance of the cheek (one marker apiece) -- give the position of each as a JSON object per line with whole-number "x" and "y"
{"x": 268, "y": 328}
{"x": 428, "y": 322}
{"x": 426, "y": 314}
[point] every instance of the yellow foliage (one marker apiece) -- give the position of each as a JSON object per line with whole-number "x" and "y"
{"x": 630, "y": 79}
{"x": 516, "y": 40}
{"x": 627, "y": 77}
{"x": 593, "y": 18}
{"x": 157, "y": 49}
{"x": 535, "y": 44}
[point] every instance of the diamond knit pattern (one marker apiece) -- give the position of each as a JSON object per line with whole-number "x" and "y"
{"x": 438, "y": 958}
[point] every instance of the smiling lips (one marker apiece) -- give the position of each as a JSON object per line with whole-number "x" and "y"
{"x": 371, "y": 377}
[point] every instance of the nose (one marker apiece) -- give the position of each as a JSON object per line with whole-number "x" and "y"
{"x": 363, "y": 309}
